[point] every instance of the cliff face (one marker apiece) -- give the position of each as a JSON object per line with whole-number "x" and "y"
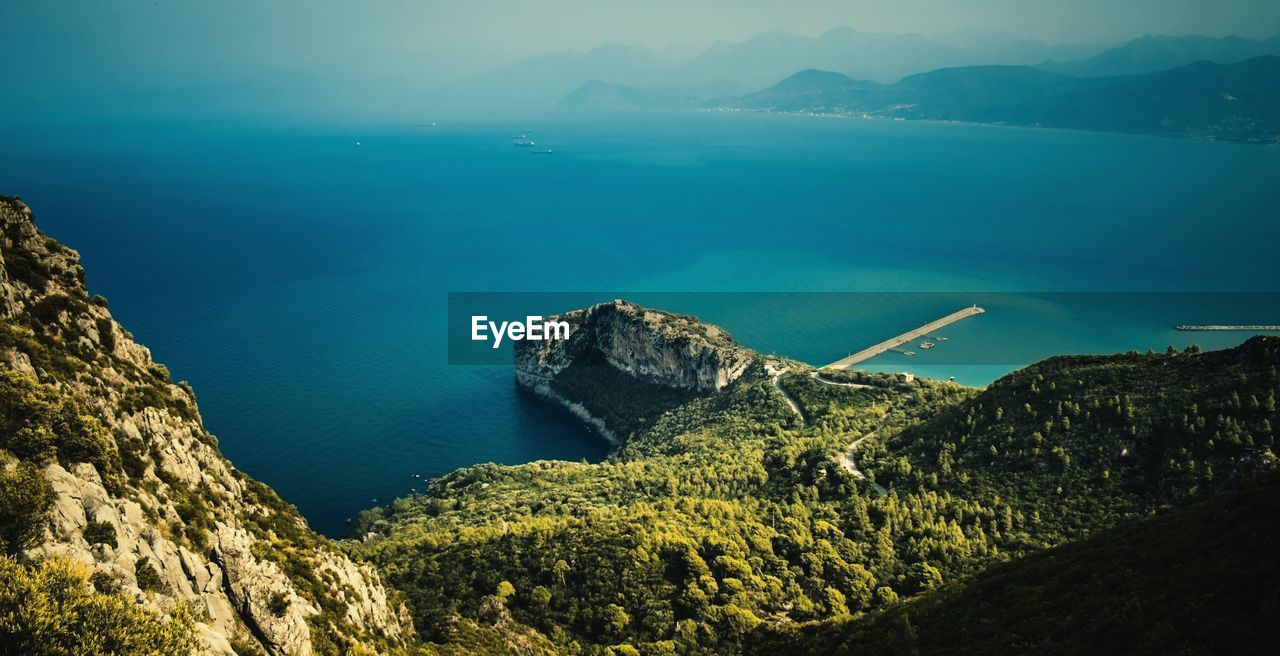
{"x": 658, "y": 348}
{"x": 153, "y": 507}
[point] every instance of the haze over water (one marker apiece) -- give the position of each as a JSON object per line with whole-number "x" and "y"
{"x": 297, "y": 277}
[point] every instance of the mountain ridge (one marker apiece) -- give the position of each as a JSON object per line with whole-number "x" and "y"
{"x": 138, "y": 496}
{"x": 1234, "y": 102}
{"x": 726, "y": 69}
{"x": 1152, "y": 53}
{"x": 1110, "y": 592}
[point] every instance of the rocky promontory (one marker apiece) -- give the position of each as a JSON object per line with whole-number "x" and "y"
{"x": 644, "y": 352}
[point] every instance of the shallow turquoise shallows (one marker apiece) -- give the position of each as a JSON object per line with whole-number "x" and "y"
{"x": 297, "y": 276}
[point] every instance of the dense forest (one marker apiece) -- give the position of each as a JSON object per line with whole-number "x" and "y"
{"x": 1189, "y": 580}
{"x": 731, "y": 517}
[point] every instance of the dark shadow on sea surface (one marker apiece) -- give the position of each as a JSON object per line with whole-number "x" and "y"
{"x": 536, "y": 419}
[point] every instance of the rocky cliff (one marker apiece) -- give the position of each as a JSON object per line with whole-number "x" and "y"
{"x": 667, "y": 353}
{"x": 141, "y": 493}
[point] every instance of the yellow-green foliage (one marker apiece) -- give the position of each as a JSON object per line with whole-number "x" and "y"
{"x": 1197, "y": 579}
{"x": 48, "y": 609}
{"x": 39, "y": 425}
{"x": 463, "y": 637}
{"x": 727, "y": 513}
{"x": 722, "y": 514}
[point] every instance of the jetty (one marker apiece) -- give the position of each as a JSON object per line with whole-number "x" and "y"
{"x": 1263, "y": 328}
{"x": 922, "y": 331}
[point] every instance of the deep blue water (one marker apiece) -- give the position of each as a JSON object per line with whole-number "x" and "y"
{"x": 297, "y": 275}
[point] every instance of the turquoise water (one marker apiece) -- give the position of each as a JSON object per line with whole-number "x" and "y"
{"x": 297, "y": 275}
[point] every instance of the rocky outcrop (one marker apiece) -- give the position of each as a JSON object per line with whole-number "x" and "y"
{"x": 658, "y": 347}
{"x": 167, "y": 517}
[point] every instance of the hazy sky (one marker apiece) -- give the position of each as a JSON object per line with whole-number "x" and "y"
{"x": 443, "y": 38}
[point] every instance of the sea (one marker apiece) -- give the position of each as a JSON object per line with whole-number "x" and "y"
{"x": 299, "y": 274}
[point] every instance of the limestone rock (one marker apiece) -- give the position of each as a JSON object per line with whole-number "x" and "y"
{"x": 181, "y": 508}
{"x": 655, "y": 347}
{"x": 658, "y": 347}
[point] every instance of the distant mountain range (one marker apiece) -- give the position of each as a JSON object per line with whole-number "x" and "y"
{"x": 949, "y": 93}
{"x": 736, "y": 68}
{"x": 1157, "y": 53}
{"x": 766, "y": 58}
{"x": 635, "y": 76}
{"x": 1238, "y": 102}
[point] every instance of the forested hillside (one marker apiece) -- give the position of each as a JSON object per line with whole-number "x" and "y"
{"x": 1076, "y": 442}
{"x": 1196, "y": 579}
{"x": 732, "y": 514}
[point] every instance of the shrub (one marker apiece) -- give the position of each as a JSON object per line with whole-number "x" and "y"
{"x": 105, "y": 583}
{"x": 278, "y": 604}
{"x": 132, "y": 455}
{"x": 246, "y": 647}
{"x": 148, "y": 577}
{"x": 48, "y": 309}
{"x": 39, "y": 425}
{"x": 101, "y": 533}
{"x": 48, "y": 610}
{"x": 106, "y": 334}
{"x": 25, "y": 499}
{"x": 25, "y": 417}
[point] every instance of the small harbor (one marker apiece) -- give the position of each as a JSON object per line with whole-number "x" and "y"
{"x": 904, "y": 338}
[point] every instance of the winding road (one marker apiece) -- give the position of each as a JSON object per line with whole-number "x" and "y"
{"x": 795, "y": 407}
{"x": 846, "y": 460}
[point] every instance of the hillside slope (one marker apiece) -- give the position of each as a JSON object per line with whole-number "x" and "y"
{"x": 1082, "y": 441}
{"x": 107, "y": 465}
{"x": 1234, "y": 102}
{"x": 1193, "y": 580}
{"x": 1238, "y": 102}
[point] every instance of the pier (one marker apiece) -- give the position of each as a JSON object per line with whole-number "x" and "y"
{"x": 1225, "y": 328}
{"x": 922, "y": 331}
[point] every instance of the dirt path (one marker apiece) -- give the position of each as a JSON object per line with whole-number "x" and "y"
{"x": 846, "y": 460}
{"x": 795, "y": 407}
